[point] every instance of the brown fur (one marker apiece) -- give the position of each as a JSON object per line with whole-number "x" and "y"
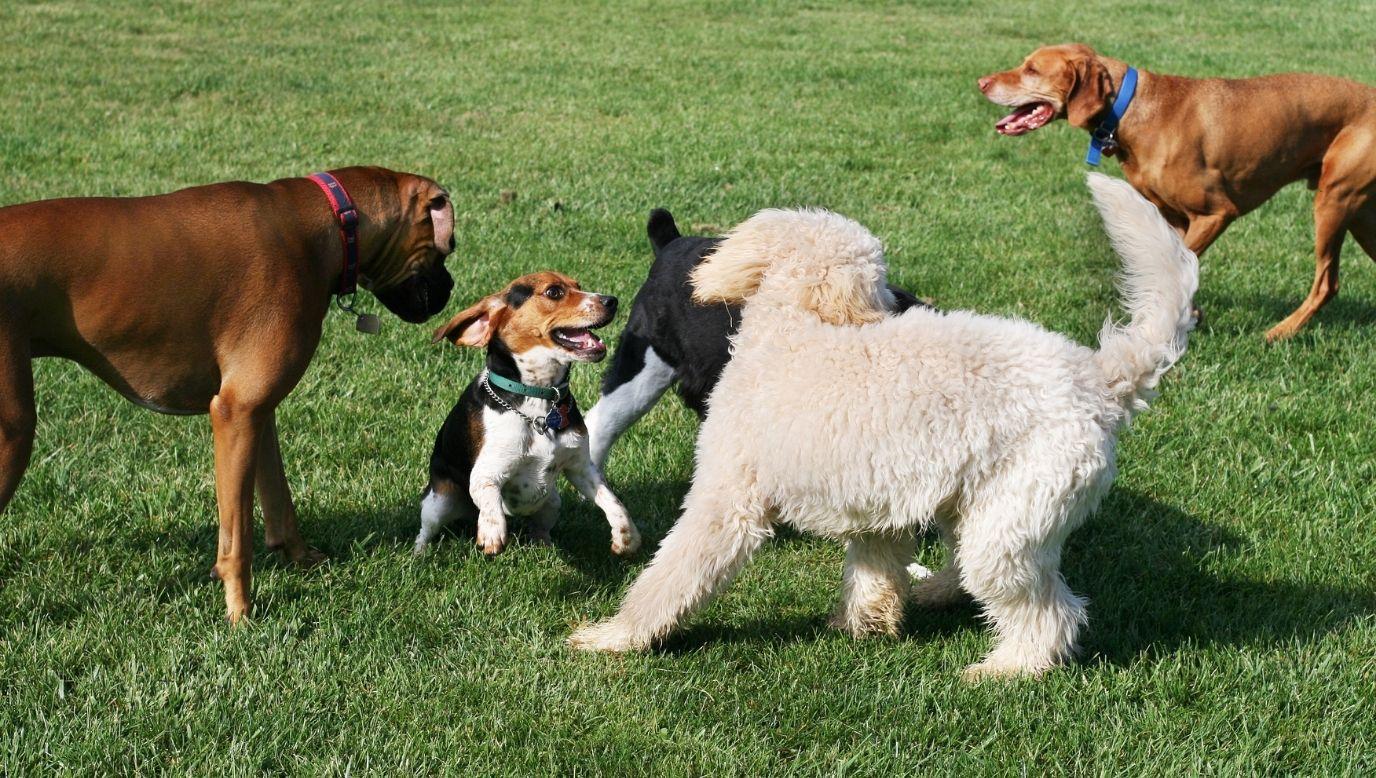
{"x": 210, "y": 299}
{"x": 1207, "y": 151}
{"x": 525, "y": 326}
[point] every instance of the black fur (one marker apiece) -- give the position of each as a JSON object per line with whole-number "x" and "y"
{"x": 692, "y": 338}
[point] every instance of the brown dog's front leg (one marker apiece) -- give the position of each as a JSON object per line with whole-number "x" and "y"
{"x": 274, "y": 495}
{"x": 238, "y": 429}
{"x": 17, "y": 418}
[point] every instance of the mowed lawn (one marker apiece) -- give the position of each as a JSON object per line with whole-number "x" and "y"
{"x": 1231, "y": 571}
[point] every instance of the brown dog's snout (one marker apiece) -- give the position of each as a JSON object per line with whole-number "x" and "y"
{"x": 608, "y": 302}
{"x": 985, "y": 82}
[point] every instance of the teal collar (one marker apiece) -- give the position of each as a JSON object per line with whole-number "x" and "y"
{"x": 550, "y": 393}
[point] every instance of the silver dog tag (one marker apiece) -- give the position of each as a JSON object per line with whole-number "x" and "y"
{"x": 368, "y": 324}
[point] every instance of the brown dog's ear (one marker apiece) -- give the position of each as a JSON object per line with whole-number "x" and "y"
{"x": 441, "y": 210}
{"x": 1089, "y": 91}
{"x": 474, "y": 325}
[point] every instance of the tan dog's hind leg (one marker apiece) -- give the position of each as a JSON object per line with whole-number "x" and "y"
{"x": 875, "y": 584}
{"x": 274, "y": 495}
{"x": 17, "y": 418}
{"x": 1344, "y": 189}
{"x": 1363, "y": 229}
{"x": 238, "y": 428}
{"x": 719, "y": 530}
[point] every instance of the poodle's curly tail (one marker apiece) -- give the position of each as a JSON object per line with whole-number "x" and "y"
{"x": 1157, "y": 283}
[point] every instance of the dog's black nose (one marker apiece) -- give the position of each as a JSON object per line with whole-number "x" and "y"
{"x": 608, "y": 302}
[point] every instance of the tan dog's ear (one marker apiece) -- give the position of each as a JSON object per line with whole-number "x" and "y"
{"x": 474, "y": 326}
{"x": 1089, "y": 89}
{"x": 847, "y": 294}
{"x": 728, "y": 275}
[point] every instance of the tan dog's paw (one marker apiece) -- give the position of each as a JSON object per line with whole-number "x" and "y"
{"x": 1280, "y": 332}
{"x": 626, "y": 542}
{"x": 605, "y": 636}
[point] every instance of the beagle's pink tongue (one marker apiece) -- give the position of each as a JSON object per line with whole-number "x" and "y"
{"x": 583, "y": 339}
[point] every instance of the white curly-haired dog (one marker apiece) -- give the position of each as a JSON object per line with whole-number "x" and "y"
{"x": 838, "y": 419}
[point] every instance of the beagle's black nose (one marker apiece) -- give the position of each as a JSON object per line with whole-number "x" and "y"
{"x": 608, "y": 302}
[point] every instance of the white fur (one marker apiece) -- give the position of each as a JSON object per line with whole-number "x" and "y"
{"x": 616, "y": 412}
{"x": 996, "y": 431}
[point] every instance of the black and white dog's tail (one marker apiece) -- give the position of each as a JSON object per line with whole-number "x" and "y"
{"x": 662, "y": 229}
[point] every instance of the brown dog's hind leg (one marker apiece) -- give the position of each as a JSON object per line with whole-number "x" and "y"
{"x": 17, "y": 418}
{"x": 238, "y": 427}
{"x": 1363, "y": 229}
{"x": 1329, "y": 231}
{"x": 274, "y": 495}
{"x": 1344, "y": 190}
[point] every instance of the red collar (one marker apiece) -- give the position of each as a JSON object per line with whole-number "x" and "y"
{"x": 344, "y": 211}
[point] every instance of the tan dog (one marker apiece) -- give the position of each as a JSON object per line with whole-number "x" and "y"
{"x": 210, "y": 299}
{"x": 1206, "y": 151}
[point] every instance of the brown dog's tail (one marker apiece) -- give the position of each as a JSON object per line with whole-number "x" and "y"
{"x": 1157, "y": 283}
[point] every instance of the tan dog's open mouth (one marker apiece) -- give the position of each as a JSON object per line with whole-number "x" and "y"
{"x": 581, "y": 341}
{"x": 1026, "y": 118}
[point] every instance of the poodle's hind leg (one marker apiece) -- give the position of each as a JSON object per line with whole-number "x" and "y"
{"x": 1010, "y": 555}
{"x": 941, "y": 589}
{"x": 710, "y": 542}
{"x": 875, "y": 584}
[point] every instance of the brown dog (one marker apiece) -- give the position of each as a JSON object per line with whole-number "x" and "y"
{"x": 210, "y": 299}
{"x": 1206, "y": 151}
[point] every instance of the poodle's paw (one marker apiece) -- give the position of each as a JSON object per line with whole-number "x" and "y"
{"x": 993, "y": 668}
{"x": 625, "y": 540}
{"x": 607, "y": 635}
{"x": 865, "y": 625}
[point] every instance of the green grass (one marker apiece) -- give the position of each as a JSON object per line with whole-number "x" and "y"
{"x": 1230, "y": 571}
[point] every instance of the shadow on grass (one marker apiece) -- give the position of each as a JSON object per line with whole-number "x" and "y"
{"x": 1352, "y": 311}
{"x": 1145, "y": 567}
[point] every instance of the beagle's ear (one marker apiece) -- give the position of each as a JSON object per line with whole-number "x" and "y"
{"x": 474, "y": 325}
{"x": 1089, "y": 89}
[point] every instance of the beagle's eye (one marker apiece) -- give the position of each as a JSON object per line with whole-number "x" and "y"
{"x": 438, "y": 202}
{"x": 555, "y": 292}
{"x": 1030, "y": 70}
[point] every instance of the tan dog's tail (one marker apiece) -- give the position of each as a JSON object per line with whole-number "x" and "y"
{"x": 1157, "y": 283}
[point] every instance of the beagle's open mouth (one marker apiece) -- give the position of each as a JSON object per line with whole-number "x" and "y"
{"x": 1026, "y": 118}
{"x": 581, "y": 341}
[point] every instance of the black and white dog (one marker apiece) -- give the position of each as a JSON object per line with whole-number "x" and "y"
{"x": 669, "y": 340}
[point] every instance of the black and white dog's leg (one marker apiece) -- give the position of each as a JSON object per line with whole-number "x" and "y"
{"x": 441, "y": 504}
{"x": 635, "y": 382}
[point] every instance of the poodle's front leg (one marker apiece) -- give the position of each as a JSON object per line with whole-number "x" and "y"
{"x": 875, "y": 584}
{"x": 587, "y": 478}
{"x": 700, "y": 554}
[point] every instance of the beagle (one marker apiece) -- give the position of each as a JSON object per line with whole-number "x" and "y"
{"x": 517, "y": 427}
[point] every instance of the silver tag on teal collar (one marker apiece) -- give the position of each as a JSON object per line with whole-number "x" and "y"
{"x": 368, "y": 324}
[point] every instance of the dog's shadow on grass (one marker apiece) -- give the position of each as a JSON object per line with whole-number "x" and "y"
{"x": 1149, "y": 570}
{"x": 1260, "y": 312}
